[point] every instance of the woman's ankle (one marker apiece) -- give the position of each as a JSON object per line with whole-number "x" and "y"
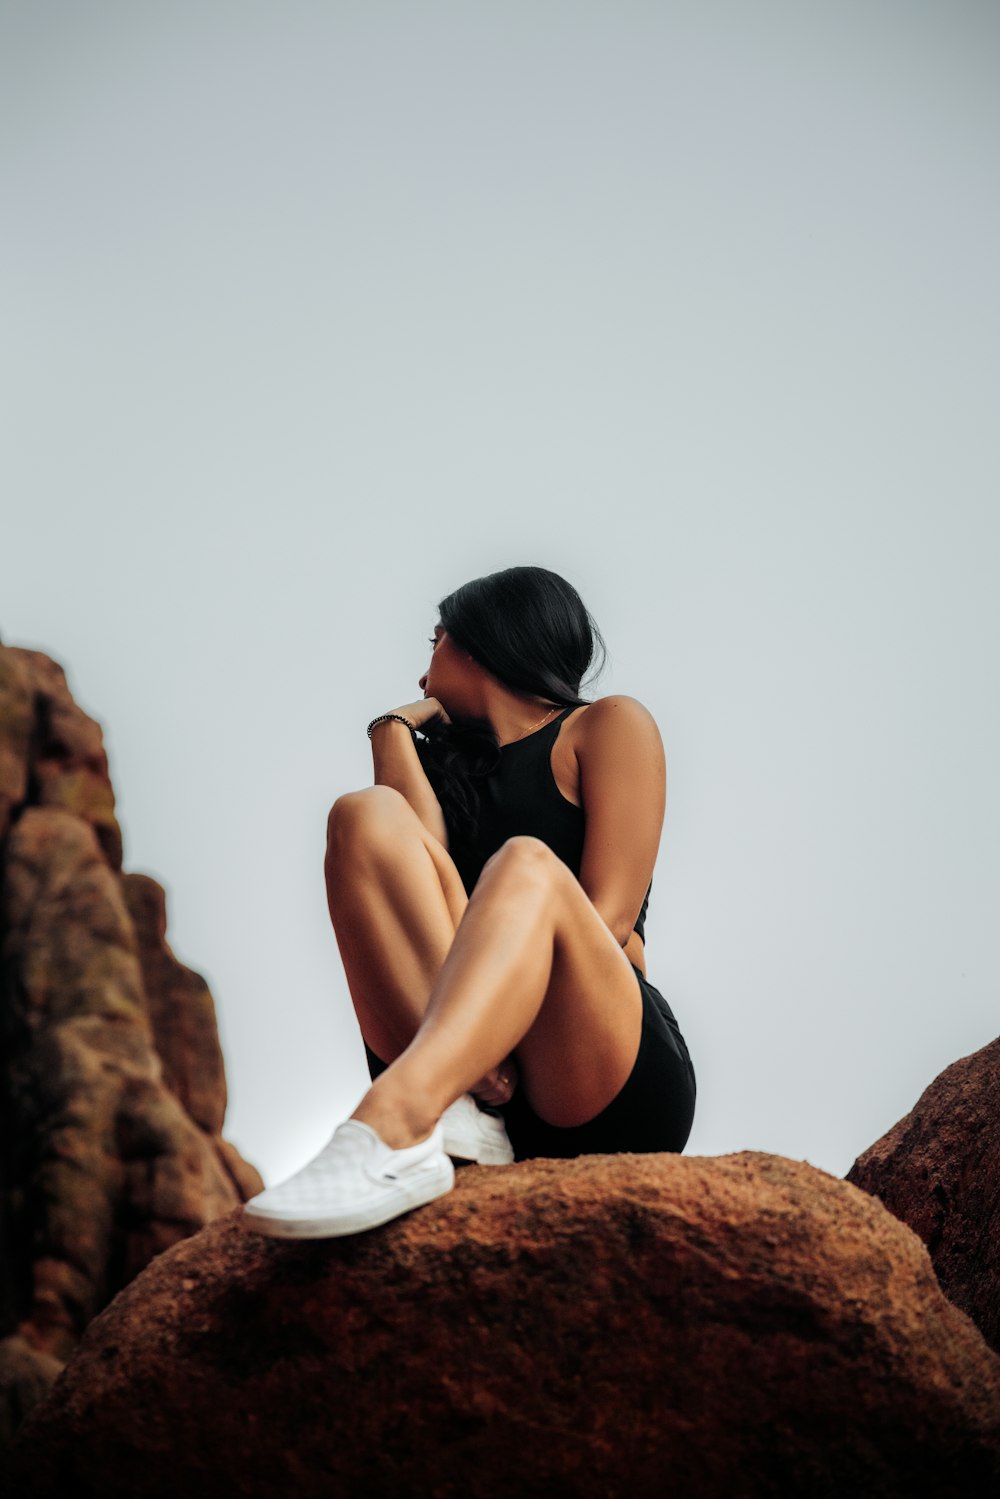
{"x": 398, "y": 1118}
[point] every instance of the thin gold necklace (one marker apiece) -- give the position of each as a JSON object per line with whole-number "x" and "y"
{"x": 531, "y": 726}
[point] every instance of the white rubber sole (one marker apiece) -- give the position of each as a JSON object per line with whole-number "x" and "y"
{"x": 469, "y": 1137}
{"x": 355, "y": 1182}
{"x": 479, "y": 1153}
{"x": 388, "y": 1202}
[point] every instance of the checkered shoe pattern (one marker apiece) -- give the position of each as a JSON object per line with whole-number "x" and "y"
{"x": 356, "y": 1182}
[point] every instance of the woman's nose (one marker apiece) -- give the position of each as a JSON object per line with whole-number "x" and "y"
{"x": 423, "y": 682}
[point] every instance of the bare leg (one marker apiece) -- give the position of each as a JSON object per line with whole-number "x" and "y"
{"x": 533, "y": 967}
{"x": 395, "y": 900}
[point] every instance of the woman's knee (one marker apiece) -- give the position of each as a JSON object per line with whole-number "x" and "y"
{"x": 356, "y": 815}
{"x": 526, "y": 858}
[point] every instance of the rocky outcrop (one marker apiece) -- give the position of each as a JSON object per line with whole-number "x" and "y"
{"x": 51, "y": 752}
{"x": 180, "y": 1010}
{"x": 112, "y": 1088}
{"x": 938, "y": 1170}
{"x": 25, "y": 1377}
{"x": 611, "y": 1325}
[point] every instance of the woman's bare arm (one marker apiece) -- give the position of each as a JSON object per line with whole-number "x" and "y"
{"x": 397, "y": 764}
{"x": 623, "y": 781}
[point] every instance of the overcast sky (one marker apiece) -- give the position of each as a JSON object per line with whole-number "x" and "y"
{"x": 312, "y": 312}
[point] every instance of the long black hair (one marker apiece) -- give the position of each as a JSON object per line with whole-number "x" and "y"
{"x": 531, "y": 630}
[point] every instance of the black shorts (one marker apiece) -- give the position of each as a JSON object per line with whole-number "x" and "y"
{"x": 653, "y": 1111}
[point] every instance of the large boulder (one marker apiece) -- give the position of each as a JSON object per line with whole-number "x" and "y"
{"x": 611, "y": 1325}
{"x": 938, "y": 1170}
{"x": 112, "y": 1087}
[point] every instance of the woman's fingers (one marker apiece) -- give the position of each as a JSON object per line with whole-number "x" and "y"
{"x": 497, "y": 1086}
{"x": 426, "y": 710}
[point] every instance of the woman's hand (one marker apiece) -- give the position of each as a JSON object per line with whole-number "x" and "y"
{"x": 497, "y": 1086}
{"x": 426, "y": 710}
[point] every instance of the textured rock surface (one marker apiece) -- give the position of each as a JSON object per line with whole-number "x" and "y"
{"x": 180, "y": 1010}
{"x": 611, "y": 1325}
{"x": 52, "y": 753}
{"x": 938, "y": 1170}
{"x": 25, "y": 1378}
{"x": 17, "y": 723}
{"x": 111, "y": 1149}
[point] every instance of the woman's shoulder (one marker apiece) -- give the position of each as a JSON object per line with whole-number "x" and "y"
{"x": 611, "y": 721}
{"x": 617, "y": 711}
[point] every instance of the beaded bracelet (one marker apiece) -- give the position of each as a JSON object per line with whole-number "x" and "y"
{"x": 399, "y": 718}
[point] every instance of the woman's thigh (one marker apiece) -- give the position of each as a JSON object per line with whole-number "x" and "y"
{"x": 395, "y": 899}
{"x": 380, "y": 813}
{"x": 583, "y": 1043}
{"x": 653, "y": 1111}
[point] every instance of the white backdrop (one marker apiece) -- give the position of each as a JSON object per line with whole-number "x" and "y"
{"x": 313, "y": 312}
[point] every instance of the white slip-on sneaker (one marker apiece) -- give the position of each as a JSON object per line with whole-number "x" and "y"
{"x": 355, "y": 1182}
{"x": 472, "y": 1135}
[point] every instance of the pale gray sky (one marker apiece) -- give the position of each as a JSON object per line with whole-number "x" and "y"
{"x": 311, "y": 312}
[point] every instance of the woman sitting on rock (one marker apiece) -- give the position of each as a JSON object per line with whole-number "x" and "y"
{"x": 488, "y": 896}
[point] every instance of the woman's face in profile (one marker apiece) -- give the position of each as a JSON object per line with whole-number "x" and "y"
{"x": 434, "y": 675}
{"x": 449, "y": 674}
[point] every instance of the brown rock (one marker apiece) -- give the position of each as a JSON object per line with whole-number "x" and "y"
{"x": 16, "y": 722}
{"x": 25, "y": 1377}
{"x": 180, "y": 1008}
{"x": 112, "y": 1170}
{"x": 246, "y": 1178}
{"x": 938, "y": 1170}
{"x": 109, "y": 1152}
{"x": 68, "y": 766}
{"x": 610, "y": 1325}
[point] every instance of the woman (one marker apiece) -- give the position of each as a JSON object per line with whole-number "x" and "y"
{"x": 487, "y": 899}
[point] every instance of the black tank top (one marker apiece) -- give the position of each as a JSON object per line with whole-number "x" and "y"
{"x": 521, "y": 796}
